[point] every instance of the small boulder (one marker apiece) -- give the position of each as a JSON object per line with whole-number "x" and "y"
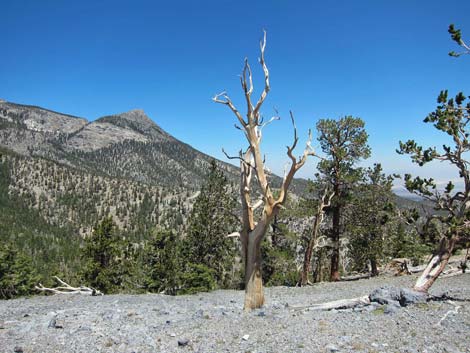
{"x": 182, "y": 342}
{"x": 385, "y": 295}
{"x": 409, "y": 296}
{"x": 332, "y": 348}
{"x": 392, "y": 307}
{"x": 199, "y": 314}
{"x": 53, "y": 324}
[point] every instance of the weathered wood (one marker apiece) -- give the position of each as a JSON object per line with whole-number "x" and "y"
{"x": 452, "y": 272}
{"x": 314, "y": 241}
{"x": 455, "y": 311}
{"x": 436, "y": 265}
{"x": 337, "y": 304}
{"x": 356, "y": 277}
{"x": 252, "y": 163}
{"x": 65, "y": 288}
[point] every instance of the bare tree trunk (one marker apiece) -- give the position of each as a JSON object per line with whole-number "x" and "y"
{"x": 436, "y": 265}
{"x": 317, "y": 274}
{"x": 308, "y": 257}
{"x": 313, "y": 242}
{"x": 334, "y": 274}
{"x": 373, "y": 267}
{"x": 254, "y": 295}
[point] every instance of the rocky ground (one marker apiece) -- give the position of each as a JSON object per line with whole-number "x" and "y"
{"x": 215, "y": 322}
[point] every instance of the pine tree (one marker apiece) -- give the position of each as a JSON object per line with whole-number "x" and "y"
{"x": 405, "y": 243}
{"x": 197, "y": 278}
{"x": 371, "y": 210}
{"x": 162, "y": 263}
{"x": 452, "y": 118}
{"x": 108, "y": 260}
{"x": 17, "y": 275}
{"x": 344, "y": 143}
{"x": 211, "y": 220}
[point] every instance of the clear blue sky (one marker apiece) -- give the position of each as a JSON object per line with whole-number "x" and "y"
{"x": 383, "y": 61}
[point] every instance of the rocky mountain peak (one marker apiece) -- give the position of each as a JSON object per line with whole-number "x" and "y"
{"x": 137, "y": 115}
{"x": 136, "y": 120}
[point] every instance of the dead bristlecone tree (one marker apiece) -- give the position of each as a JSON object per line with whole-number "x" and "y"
{"x": 252, "y": 166}
{"x": 314, "y": 240}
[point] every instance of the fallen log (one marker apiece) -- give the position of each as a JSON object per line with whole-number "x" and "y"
{"x": 337, "y": 304}
{"x": 401, "y": 266}
{"x": 383, "y": 295}
{"x": 65, "y": 288}
{"x": 355, "y": 277}
{"x": 452, "y": 272}
{"x": 416, "y": 269}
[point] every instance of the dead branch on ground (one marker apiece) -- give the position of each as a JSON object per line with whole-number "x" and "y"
{"x": 65, "y": 288}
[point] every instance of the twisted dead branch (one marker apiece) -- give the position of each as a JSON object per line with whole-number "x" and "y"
{"x": 65, "y": 288}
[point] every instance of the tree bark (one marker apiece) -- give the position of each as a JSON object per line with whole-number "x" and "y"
{"x": 436, "y": 265}
{"x": 314, "y": 238}
{"x": 317, "y": 274}
{"x": 334, "y": 274}
{"x": 373, "y": 267}
{"x": 254, "y": 295}
{"x": 308, "y": 258}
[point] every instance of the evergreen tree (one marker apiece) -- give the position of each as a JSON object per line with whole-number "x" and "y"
{"x": 197, "y": 278}
{"x": 108, "y": 260}
{"x": 279, "y": 250}
{"x": 456, "y": 36}
{"x": 211, "y": 220}
{"x": 451, "y": 117}
{"x": 344, "y": 142}
{"x": 162, "y": 263}
{"x": 17, "y": 275}
{"x": 405, "y": 243}
{"x": 371, "y": 210}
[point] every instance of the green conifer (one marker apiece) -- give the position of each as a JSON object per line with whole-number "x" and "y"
{"x": 211, "y": 220}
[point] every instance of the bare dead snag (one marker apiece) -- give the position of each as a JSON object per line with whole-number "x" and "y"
{"x": 252, "y": 164}
{"x": 314, "y": 242}
{"x": 65, "y": 288}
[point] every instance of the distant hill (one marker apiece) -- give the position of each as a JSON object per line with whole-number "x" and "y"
{"x": 128, "y": 145}
{"x": 75, "y": 171}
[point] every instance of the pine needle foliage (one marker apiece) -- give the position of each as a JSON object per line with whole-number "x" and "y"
{"x": 211, "y": 220}
{"x": 17, "y": 275}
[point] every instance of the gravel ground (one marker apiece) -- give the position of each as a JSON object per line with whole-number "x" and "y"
{"x": 215, "y": 322}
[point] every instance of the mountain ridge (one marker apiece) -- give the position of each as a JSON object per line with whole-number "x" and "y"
{"x": 99, "y": 146}
{"x": 39, "y": 132}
